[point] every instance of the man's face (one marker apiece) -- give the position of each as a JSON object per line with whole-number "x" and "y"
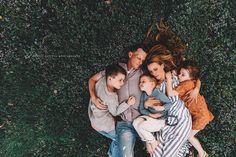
{"x": 118, "y": 81}
{"x": 184, "y": 75}
{"x": 137, "y": 58}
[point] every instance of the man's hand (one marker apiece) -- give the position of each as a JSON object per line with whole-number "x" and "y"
{"x": 152, "y": 101}
{"x": 99, "y": 103}
{"x": 131, "y": 100}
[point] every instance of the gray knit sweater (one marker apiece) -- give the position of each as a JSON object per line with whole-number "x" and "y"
{"x": 102, "y": 120}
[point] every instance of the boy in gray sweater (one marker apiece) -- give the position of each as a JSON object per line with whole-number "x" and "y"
{"x": 103, "y": 120}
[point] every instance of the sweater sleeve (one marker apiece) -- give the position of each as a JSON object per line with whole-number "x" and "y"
{"x": 142, "y": 110}
{"x": 115, "y": 108}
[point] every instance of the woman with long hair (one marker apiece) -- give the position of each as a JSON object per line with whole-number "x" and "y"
{"x": 165, "y": 54}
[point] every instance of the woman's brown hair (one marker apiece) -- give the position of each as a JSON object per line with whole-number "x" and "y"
{"x": 165, "y": 46}
{"x": 162, "y": 57}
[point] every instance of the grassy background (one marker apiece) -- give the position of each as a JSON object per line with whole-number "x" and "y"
{"x": 49, "y": 49}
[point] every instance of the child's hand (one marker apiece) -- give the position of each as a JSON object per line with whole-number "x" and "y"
{"x": 131, "y": 100}
{"x": 168, "y": 75}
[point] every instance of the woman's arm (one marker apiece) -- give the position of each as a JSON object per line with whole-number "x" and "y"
{"x": 155, "y": 115}
{"x": 151, "y": 101}
{"x": 193, "y": 94}
{"x": 96, "y": 100}
{"x": 170, "y": 90}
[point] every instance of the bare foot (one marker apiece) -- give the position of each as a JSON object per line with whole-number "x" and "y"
{"x": 149, "y": 148}
{"x": 108, "y": 1}
{"x": 204, "y": 154}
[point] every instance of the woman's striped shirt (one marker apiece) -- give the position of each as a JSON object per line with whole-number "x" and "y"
{"x": 173, "y": 139}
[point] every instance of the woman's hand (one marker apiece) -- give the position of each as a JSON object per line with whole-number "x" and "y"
{"x": 155, "y": 115}
{"x": 159, "y": 108}
{"x": 168, "y": 75}
{"x": 152, "y": 101}
{"x": 192, "y": 95}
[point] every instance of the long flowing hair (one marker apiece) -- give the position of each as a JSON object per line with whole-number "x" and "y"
{"x": 164, "y": 46}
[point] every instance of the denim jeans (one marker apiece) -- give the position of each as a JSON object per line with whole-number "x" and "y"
{"x": 126, "y": 138}
{"x": 113, "y": 149}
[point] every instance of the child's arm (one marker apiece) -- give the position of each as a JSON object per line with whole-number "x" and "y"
{"x": 170, "y": 90}
{"x": 115, "y": 108}
{"x": 96, "y": 100}
{"x": 142, "y": 109}
{"x": 164, "y": 100}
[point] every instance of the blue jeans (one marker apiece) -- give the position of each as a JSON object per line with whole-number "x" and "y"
{"x": 126, "y": 137}
{"x": 113, "y": 149}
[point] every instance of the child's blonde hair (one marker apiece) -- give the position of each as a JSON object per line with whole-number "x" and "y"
{"x": 151, "y": 78}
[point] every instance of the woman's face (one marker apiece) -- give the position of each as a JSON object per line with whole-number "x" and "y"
{"x": 157, "y": 70}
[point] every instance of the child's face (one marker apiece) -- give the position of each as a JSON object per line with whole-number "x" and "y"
{"x": 118, "y": 81}
{"x": 146, "y": 84}
{"x": 184, "y": 75}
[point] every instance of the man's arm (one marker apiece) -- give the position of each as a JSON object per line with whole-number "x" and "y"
{"x": 96, "y": 100}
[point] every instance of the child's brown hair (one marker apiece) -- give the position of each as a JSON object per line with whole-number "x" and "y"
{"x": 192, "y": 67}
{"x": 113, "y": 70}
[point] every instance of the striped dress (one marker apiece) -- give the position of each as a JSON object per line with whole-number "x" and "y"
{"x": 173, "y": 139}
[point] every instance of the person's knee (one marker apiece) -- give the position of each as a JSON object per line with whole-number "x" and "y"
{"x": 125, "y": 134}
{"x": 144, "y": 126}
{"x": 126, "y": 147}
{"x": 126, "y": 137}
{"x": 135, "y": 123}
